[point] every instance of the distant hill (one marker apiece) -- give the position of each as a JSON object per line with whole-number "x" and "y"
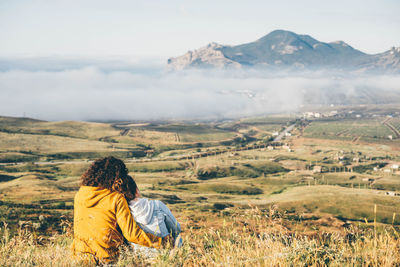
{"x": 288, "y": 50}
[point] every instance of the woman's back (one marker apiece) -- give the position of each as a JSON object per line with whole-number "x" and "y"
{"x": 98, "y": 213}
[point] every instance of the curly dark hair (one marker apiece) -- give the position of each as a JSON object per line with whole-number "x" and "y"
{"x": 109, "y": 173}
{"x": 132, "y": 186}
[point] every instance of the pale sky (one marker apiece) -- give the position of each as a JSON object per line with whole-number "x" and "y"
{"x": 165, "y": 28}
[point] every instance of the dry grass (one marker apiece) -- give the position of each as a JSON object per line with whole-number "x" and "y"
{"x": 247, "y": 238}
{"x": 48, "y": 143}
{"x": 76, "y": 129}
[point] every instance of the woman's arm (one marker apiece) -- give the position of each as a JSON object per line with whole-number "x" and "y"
{"x": 131, "y": 231}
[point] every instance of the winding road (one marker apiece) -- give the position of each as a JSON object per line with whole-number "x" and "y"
{"x": 282, "y": 134}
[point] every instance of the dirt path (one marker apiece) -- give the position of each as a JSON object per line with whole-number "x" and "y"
{"x": 124, "y": 132}
{"x": 394, "y": 130}
{"x": 391, "y": 127}
{"x": 259, "y": 130}
{"x": 341, "y": 133}
{"x": 356, "y": 139}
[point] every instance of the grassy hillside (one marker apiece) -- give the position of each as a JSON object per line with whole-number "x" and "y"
{"x": 240, "y": 196}
{"x": 252, "y": 237}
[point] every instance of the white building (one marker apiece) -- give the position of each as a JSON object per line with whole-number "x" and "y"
{"x": 317, "y": 169}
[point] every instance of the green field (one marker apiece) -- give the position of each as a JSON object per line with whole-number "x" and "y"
{"x": 370, "y": 130}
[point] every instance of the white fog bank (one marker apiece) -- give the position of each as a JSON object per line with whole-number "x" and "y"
{"x": 92, "y": 94}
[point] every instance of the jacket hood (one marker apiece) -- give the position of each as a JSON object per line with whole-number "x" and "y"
{"x": 89, "y": 196}
{"x": 142, "y": 210}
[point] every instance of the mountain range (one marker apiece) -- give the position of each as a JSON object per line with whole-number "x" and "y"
{"x": 285, "y": 49}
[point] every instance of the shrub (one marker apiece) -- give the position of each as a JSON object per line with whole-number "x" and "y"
{"x": 221, "y": 206}
{"x": 237, "y": 190}
{"x": 246, "y": 170}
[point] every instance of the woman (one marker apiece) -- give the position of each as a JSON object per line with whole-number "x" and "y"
{"x": 101, "y": 213}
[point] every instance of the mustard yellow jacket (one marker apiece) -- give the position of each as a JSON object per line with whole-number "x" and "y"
{"x": 101, "y": 219}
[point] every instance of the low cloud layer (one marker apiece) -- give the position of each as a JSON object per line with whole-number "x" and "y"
{"x": 90, "y": 93}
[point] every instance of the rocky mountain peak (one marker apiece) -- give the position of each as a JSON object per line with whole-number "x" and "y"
{"x": 286, "y": 49}
{"x": 340, "y": 43}
{"x": 207, "y": 56}
{"x": 395, "y": 51}
{"x": 214, "y": 45}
